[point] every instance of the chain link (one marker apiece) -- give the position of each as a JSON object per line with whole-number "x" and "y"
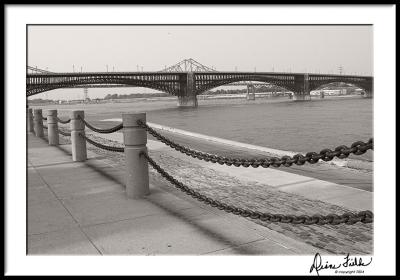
{"x": 99, "y": 130}
{"x": 64, "y": 133}
{"x": 104, "y": 147}
{"x": 332, "y": 219}
{"x": 64, "y": 122}
{"x": 357, "y": 148}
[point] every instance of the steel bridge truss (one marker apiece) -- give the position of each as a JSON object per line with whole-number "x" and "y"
{"x": 166, "y": 82}
{"x": 187, "y": 83}
{"x": 188, "y": 65}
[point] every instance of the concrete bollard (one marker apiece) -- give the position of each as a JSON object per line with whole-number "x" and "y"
{"x": 29, "y": 120}
{"x": 78, "y": 142}
{"x": 38, "y": 122}
{"x": 52, "y": 127}
{"x": 137, "y": 170}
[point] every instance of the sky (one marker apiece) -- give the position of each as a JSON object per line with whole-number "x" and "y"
{"x": 289, "y": 48}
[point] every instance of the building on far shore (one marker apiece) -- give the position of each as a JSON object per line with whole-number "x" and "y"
{"x": 339, "y": 91}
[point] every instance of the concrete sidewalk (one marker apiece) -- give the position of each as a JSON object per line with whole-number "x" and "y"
{"x": 81, "y": 208}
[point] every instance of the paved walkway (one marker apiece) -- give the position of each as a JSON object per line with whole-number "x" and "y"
{"x": 81, "y": 208}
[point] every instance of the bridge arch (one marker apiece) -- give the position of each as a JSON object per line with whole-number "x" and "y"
{"x": 283, "y": 83}
{"x": 278, "y": 88}
{"x": 167, "y": 87}
{"x": 317, "y": 85}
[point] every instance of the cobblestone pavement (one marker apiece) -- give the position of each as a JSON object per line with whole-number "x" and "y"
{"x": 337, "y": 239}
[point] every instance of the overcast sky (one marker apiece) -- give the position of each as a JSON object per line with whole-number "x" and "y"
{"x": 247, "y": 48}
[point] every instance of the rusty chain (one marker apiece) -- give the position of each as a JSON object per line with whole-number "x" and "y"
{"x": 100, "y": 130}
{"x": 357, "y": 148}
{"x": 64, "y": 122}
{"x": 332, "y": 219}
{"x": 104, "y": 147}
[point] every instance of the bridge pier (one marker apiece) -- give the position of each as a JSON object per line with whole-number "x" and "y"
{"x": 301, "y": 96}
{"x": 187, "y": 98}
{"x": 302, "y": 92}
{"x": 368, "y": 94}
{"x": 251, "y": 92}
{"x": 187, "y": 101}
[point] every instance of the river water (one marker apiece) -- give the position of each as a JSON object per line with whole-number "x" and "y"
{"x": 277, "y": 123}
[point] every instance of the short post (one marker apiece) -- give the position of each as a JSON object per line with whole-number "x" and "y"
{"x": 52, "y": 127}
{"x": 38, "y": 122}
{"x": 29, "y": 120}
{"x": 77, "y": 141}
{"x": 137, "y": 170}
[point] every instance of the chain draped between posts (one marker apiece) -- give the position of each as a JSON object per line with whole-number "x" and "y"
{"x": 64, "y": 133}
{"x": 64, "y": 122}
{"x": 99, "y": 145}
{"x": 100, "y": 130}
{"x": 332, "y": 219}
{"x": 357, "y": 148}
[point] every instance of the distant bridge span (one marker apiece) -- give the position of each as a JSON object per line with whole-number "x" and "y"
{"x": 187, "y": 85}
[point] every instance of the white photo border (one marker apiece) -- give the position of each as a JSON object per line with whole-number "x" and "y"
{"x": 382, "y": 17}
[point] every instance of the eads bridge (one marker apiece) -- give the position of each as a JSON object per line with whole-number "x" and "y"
{"x": 188, "y": 78}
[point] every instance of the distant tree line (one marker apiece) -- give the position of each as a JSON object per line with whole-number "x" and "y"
{"x": 39, "y": 100}
{"x": 244, "y": 90}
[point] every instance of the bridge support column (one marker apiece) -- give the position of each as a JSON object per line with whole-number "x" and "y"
{"x": 301, "y": 96}
{"x": 137, "y": 170}
{"x": 187, "y": 98}
{"x": 303, "y": 88}
{"x": 29, "y": 120}
{"x": 368, "y": 94}
{"x": 251, "y": 94}
{"x": 52, "y": 127}
{"x": 38, "y": 122}
{"x": 187, "y": 101}
{"x": 78, "y": 142}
